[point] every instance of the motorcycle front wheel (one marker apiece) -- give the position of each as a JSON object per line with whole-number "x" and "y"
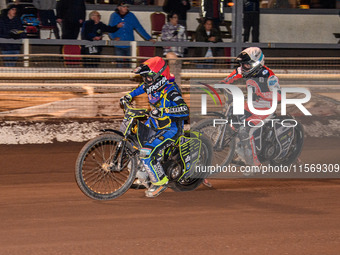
{"x": 98, "y": 172}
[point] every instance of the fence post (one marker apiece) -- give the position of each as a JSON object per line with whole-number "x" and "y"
{"x": 26, "y": 43}
{"x": 133, "y": 45}
{"x": 237, "y": 26}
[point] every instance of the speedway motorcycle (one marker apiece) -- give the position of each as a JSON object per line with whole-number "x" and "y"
{"x": 109, "y": 164}
{"x": 275, "y": 144}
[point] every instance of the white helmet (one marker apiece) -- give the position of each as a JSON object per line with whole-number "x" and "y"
{"x": 250, "y": 59}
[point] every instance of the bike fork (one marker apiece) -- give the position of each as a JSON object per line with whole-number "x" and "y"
{"x": 121, "y": 146}
{"x": 119, "y": 160}
{"x": 220, "y": 142}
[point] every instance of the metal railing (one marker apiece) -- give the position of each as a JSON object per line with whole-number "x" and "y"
{"x": 66, "y": 66}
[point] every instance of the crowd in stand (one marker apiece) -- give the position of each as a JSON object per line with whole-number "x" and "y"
{"x": 70, "y": 14}
{"x": 71, "y": 17}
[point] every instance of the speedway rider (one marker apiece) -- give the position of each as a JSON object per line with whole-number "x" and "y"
{"x": 262, "y": 80}
{"x": 168, "y": 111}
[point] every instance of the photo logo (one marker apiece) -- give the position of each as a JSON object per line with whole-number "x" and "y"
{"x": 238, "y": 100}
{"x": 204, "y": 96}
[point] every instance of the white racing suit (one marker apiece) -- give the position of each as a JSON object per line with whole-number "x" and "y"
{"x": 262, "y": 82}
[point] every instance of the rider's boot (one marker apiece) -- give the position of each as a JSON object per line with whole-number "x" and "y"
{"x": 157, "y": 188}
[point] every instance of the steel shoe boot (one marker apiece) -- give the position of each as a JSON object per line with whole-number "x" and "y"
{"x": 155, "y": 190}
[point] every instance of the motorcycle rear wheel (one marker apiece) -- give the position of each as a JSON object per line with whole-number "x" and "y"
{"x": 295, "y": 150}
{"x": 96, "y": 171}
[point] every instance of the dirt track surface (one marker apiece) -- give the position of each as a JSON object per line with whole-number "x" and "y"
{"x": 44, "y": 212}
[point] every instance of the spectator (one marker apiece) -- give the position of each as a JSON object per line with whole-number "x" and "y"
{"x": 93, "y": 30}
{"x": 11, "y": 28}
{"x": 46, "y": 14}
{"x": 251, "y": 20}
{"x": 174, "y": 32}
{"x": 130, "y": 22}
{"x": 180, "y": 7}
{"x": 207, "y": 33}
{"x": 213, "y": 9}
{"x": 71, "y": 15}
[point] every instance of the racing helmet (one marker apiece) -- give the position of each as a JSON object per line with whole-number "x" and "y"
{"x": 250, "y": 60}
{"x": 155, "y": 72}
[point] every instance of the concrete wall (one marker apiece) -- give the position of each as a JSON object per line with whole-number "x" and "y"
{"x": 285, "y": 28}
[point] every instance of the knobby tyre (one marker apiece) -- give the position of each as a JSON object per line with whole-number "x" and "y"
{"x": 222, "y": 140}
{"x": 97, "y": 173}
{"x": 295, "y": 149}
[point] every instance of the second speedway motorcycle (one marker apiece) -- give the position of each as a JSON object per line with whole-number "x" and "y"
{"x": 109, "y": 164}
{"x": 275, "y": 144}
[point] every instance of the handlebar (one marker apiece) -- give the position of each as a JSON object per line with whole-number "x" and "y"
{"x": 134, "y": 112}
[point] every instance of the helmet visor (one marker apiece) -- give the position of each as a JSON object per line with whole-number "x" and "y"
{"x": 148, "y": 78}
{"x": 246, "y": 67}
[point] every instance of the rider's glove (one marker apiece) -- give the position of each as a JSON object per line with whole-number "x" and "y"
{"x": 127, "y": 98}
{"x": 156, "y": 113}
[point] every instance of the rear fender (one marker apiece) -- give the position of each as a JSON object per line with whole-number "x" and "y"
{"x": 109, "y": 130}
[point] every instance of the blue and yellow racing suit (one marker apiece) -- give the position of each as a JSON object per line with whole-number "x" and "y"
{"x": 168, "y": 127}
